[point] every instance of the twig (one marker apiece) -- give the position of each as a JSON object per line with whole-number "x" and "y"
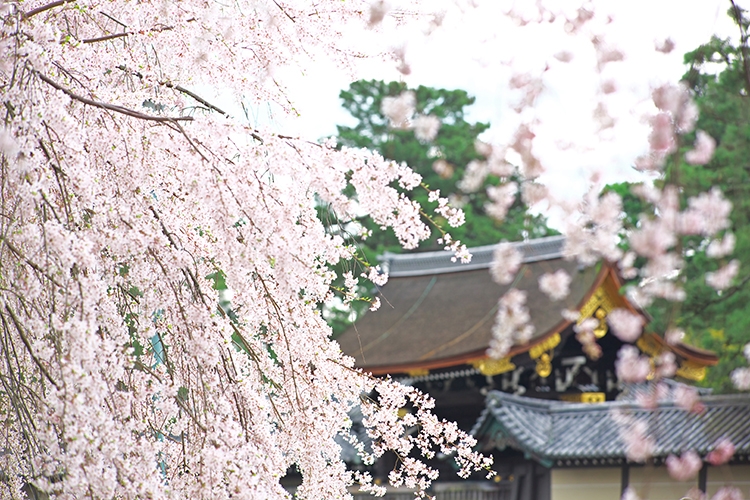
{"x": 41, "y": 9}
{"x": 33, "y": 265}
{"x": 106, "y": 37}
{"x": 285, "y": 12}
{"x": 198, "y": 98}
{"x": 125, "y": 33}
{"x": 114, "y": 107}
{"x": 190, "y": 414}
{"x": 26, "y": 342}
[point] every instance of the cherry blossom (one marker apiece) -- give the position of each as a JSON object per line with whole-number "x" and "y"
{"x": 378, "y": 10}
{"x": 741, "y": 379}
{"x": 666, "y": 46}
{"x": 686, "y": 397}
{"x": 512, "y": 324}
{"x": 684, "y": 467}
{"x": 721, "y": 248}
{"x": 426, "y": 127}
{"x": 555, "y": 285}
{"x": 400, "y": 109}
{"x": 505, "y": 263}
{"x": 169, "y": 263}
{"x": 585, "y": 335}
{"x": 723, "y": 278}
{"x": 722, "y": 452}
{"x": 728, "y": 493}
{"x": 631, "y": 366}
{"x": 626, "y": 325}
{"x": 501, "y": 197}
{"x": 704, "y": 149}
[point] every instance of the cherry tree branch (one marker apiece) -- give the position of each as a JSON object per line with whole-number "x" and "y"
{"x": 27, "y": 344}
{"x": 114, "y": 107}
{"x": 195, "y": 96}
{"x": 43, "y": 8}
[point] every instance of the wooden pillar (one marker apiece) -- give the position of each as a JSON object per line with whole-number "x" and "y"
{"x": 543, "y": 482}
{"x": 624, "y": 478}
{"x": 703, "y": 478}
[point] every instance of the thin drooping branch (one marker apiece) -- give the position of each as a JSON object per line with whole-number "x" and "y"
{"x": 43, "y": 8}
{"x": 106, "y": 37}
{"x": 30, "y": 262}
{"x": 198, "y": 98}
{"x": 284, "y": 11}
{"x": 124, "y": 33}
{"x": 113, "y": 107}
{"x": 25, "y": 340}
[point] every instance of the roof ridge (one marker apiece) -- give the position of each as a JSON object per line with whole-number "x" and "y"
{"x": 443, "y": 261}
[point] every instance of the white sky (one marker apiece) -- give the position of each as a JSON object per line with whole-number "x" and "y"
{"x": 472, "y": 51}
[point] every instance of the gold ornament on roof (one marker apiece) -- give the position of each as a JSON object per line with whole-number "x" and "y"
{"x": 490, "y": 367}
{"x": 545, "y": 345}
{"x": 544, "y": 365}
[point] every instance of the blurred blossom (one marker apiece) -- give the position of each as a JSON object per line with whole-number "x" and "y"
{"x": 722, "y": 453}
{"x": 426, "y": 127}
{"x": 400, "y": 109}
{"x": 685, "y": 467}
{"x": 555, "y": 285}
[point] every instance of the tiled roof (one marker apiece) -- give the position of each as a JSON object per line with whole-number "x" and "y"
{"x": 434, "y": 312}
{"x": 422, "y": 263}
{"x": 561, "y": 433}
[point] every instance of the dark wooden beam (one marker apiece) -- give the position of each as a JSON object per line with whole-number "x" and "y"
{"x": 624, "y": 478}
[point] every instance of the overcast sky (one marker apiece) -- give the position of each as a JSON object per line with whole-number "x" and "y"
{"x": 478, "y": 49}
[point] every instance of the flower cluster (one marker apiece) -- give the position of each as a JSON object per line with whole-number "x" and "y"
{"x": 512, "y": 324}
{"x": 164, "y": 263}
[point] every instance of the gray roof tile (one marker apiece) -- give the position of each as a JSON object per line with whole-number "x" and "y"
{"x": 554, "y": 431}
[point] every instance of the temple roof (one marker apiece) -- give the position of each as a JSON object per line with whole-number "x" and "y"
{"x": 564, "y": 434}
{"x": 436, "y": 313}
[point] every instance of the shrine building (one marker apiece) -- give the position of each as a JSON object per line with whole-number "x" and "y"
{"x": 546, "y": 412}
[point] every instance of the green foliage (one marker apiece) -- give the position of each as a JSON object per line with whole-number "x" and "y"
{"x": 455, "y": 143}
{"x": 719, "y": 321}
{"x": 712, "y": 320}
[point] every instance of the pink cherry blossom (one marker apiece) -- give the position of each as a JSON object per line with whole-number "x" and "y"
{"x": 426, "y": 127}
{"x": 728, "y": 493}
{"x": 501, "y": 198}
{"x": 512, "y": 324}
{"x": 703, "y": 151}
{"x": 686, "y": 397}
{"x": 722, "y": 279}
{"x": 631, "y": 366}
{"x": 666, "y": 46}
{"x": 626, "y": 325}
{"x": 722, "y": 452}
{"x": 505, "y": 263}
{"x": 400, "y": 109}
{"x": 685, "y": 467}
{"x": 721, "y": 248}
{"x": 555, "y": 285}
{"x": 741, "y": 378}
{"x": 378, "y": 10}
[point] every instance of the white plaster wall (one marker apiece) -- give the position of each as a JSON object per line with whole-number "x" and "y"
{"x": 651, "y": 483}
{"x": 586, "y": 484}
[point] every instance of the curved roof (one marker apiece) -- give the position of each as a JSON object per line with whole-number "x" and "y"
{"x": 436, "y": 314}
{"x": 563, "y": 433}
